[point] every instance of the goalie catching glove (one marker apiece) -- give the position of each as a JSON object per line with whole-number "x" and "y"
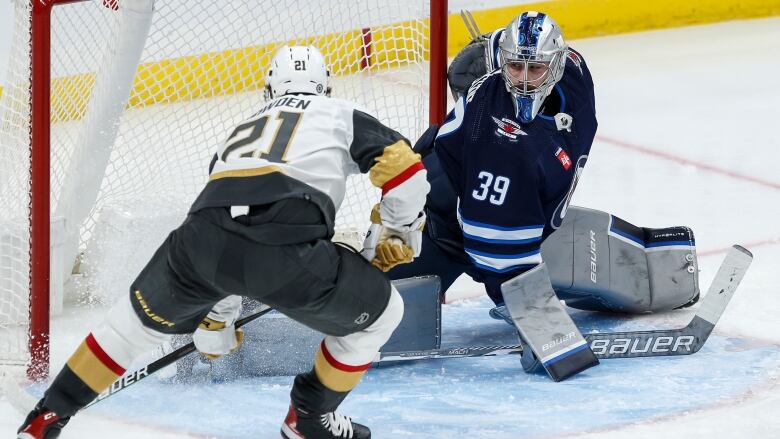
{"x": 386, "y": 246}
{"x": 217, "y": 334}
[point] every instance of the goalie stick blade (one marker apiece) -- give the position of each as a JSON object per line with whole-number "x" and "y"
{"x": 687, "y": 340}
{"x": 631, "y": 344}
{"x": 724, "y": 284}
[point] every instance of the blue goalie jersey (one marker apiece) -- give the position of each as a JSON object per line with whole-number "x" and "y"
{"x": 499, "y": 187}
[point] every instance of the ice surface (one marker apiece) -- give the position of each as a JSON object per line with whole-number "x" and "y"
{"x": 686, "y": 137}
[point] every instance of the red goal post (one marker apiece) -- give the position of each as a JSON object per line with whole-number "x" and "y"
{"x": 401, "y": 47}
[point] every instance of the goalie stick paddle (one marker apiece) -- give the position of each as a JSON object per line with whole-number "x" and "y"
{"x": 176, "y": 355}
{"x": 631, "y": 344}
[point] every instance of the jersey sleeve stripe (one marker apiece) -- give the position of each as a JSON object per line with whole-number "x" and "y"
{"x": 455, "y": 120}
{"x": 393, "y": 161}
{"x": 402, "y": 177}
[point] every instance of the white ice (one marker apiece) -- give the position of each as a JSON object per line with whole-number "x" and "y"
{"x": 686, "y": 137}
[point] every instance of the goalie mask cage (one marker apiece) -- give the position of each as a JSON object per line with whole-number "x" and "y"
{"x": 112, "y": 110}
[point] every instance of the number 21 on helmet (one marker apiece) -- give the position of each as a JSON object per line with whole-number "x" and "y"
{"x": 296, "y": 70}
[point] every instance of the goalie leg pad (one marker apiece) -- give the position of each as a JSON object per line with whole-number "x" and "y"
{"x": 545, "y": 326}
{"x": 600, "y": 262}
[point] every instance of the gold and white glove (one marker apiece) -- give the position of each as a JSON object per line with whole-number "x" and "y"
{"x": 217, "y": 334}
{"x": 387, "y": 246}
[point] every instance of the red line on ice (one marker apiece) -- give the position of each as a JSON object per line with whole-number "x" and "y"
{"x": 684, "y": 161}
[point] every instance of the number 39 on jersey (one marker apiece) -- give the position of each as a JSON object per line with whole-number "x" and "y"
{"x": 491, "y": 188}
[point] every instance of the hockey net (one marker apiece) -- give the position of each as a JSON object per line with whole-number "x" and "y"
{"x": 141, "y": 94}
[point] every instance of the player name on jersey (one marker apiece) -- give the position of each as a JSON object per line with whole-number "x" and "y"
{"x": 291, "y": 102}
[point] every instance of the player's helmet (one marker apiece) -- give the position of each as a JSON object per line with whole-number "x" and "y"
{"x": 532, "y": 56}
{"x": 297, "y": 69}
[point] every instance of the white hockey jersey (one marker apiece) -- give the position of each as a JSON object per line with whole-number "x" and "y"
{"x": 305, "y": 145}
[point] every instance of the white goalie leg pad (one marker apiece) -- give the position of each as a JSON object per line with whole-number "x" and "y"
{"x": 545, "y": 326}
{"x": 600, "y": 262}
{"x": 122, "y": 335}
{"x": 361, "y": 347}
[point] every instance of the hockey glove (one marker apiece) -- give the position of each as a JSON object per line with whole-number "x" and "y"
{"x": 385, "y": 247}
{"x": 217, "y": 335}
{"x": 214, "y": 339}
{"x": 468, "y": 65}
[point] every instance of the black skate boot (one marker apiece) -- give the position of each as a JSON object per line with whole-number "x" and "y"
{"x": 302, "y": 425}
{"x": 41, "y": 423}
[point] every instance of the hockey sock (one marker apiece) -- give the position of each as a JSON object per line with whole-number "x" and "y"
{"x": 88, "y": 372}
{"x": 325, "y": 387}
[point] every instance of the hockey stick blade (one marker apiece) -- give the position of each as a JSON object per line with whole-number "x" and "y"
{"x": 631, "y": 344}
{"x": 161, "y": 363}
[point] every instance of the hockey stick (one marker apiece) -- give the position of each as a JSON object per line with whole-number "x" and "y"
{"x": 631, "y": 344}
{"x": 136, "y": 376}
{"x": 470, "y": 23}
{"x": 23, "y": 402}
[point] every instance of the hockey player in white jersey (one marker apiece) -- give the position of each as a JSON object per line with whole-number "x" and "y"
{"x": 261, "y": 228}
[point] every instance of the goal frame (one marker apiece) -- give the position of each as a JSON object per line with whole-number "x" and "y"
{"x": 40, "y": 159}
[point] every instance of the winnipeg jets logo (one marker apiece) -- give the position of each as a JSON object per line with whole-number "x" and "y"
{"x": 508, "y": 128}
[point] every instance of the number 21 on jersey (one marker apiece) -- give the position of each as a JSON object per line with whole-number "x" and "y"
{"x": 490, "y": 188}
{"x": 253, "y": 133}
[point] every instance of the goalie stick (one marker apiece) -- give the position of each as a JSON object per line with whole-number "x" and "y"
{"x": 470, "y": 23}
{"x": 631, "y": 344}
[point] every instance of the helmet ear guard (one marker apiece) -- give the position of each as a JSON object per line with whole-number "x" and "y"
{"x": 297, "y": 70}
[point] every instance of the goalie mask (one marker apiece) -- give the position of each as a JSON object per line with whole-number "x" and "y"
{"x": 297, "y": 69}
{"x": 532, "y": 56}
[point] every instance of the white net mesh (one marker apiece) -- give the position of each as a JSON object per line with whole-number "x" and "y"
{"x": 200, "y": 73}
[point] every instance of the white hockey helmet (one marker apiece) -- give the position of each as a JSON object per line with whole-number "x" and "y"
{"x": 297, "y": 69}
{"x": 532, "y": 41}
